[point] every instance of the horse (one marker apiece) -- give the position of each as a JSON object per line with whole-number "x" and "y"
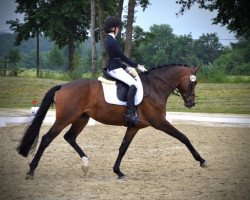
{"x": 79, "y": 100}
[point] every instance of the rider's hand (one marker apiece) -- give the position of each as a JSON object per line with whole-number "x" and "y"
{"x": 131, "y": 71}
{"x": 142, "y": 68}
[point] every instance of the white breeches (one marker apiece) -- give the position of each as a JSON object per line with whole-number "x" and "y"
{"x": 123, "y": 76}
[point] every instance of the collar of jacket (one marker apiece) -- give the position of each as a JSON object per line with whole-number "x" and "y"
{"x": 112, "y": 34}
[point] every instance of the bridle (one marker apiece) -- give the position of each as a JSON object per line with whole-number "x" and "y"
{"x": 192, "y": 82}
{"x": 187, "y": 97}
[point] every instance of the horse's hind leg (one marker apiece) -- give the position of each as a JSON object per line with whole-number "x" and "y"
{"x": 45, "y": 142}
{"x": 71, "y": 136}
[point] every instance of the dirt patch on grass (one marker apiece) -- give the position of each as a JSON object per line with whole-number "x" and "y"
{"x": 157, "y": 166}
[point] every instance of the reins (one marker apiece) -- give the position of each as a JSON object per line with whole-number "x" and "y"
{"x": 175, "y": 90}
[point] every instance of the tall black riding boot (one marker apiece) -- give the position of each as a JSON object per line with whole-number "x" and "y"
{"x": 131, "y": 116}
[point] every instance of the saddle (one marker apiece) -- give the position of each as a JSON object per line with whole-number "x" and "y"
{"x": 122, "y": 88}
{"x": 115, "y": 91}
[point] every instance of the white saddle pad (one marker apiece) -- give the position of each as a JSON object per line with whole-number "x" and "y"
{"x": 110, "y": 96}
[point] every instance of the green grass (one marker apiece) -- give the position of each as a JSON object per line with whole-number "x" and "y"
{"x": 238, "y": 79}
{"x": 18, "y": 92}
{"x": 216, "y": 98}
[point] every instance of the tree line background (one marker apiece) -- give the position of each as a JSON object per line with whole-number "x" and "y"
{"x": 68, "y": 36}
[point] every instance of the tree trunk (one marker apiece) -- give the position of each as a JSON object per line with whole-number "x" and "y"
{"x": 129, "y": 28}
{"x": 102, "y": 34}
{"x": 92, "y": 36}
{"x": 37, "y": 55}
{"x": 120, "y": 9}
{"x": 71, "y": 65}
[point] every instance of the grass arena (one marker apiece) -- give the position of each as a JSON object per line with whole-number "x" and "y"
{"x": 156, "y": 165}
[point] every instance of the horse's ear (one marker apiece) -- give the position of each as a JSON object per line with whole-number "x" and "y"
{"x": 197, "y": 69}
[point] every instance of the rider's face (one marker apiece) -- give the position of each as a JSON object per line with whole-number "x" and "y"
{"x": 117, "y": 29}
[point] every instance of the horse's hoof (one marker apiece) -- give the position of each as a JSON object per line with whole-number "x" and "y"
{"x": 121, "y": 177}
{"x": 85, "y": 169}
{"x": 204, "y": 164}
{"x": 29, "y": 176}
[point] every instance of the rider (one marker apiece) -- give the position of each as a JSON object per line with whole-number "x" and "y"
{"x": 117, "y": 69}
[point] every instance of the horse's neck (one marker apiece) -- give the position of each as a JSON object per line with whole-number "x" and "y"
{"x": 161, "y": 82}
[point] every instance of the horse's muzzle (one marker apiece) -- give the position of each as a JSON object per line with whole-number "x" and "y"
{"x": 189, "y": 104}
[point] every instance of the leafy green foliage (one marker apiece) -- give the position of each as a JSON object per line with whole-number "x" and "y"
{"x": 65, "y": 22}
{"x": 231, "y": 13}
{"x": 212, "y": 74}
{"x": 157, "y": 47}
{"x": 14, "y": 62}
{"x": 6, "y": 40}
{"x": 14, "y": 56}
{"x": 208, "y": 47}
{"x": 56, "y": 59}
{"x": 161, "y": 46}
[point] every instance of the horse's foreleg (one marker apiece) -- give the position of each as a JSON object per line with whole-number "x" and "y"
{"x": 45, "y": 142}
{"x": 169, "y": 129}
{"x": 130, "y": 133}
{"x": 71, "y": 136}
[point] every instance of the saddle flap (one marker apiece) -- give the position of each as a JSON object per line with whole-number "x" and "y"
{"x": 122, "y": 90}
{"x": 115, "y": 92}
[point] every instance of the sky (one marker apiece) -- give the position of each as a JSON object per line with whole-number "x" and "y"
{"x": 194, "y": 21}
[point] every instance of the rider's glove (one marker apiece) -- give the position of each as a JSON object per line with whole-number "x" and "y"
{"x": 131, "y": 71}
{"x": 142, "y": 68}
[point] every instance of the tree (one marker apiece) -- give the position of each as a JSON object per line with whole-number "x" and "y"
{"x": 101, "y": 29}
{"x": 6, "y": 40}
{"x": 235, "y": 60}
{"x": 92, "y": 36}
{"x": 208, "y": 48}
{"x": 130, "y": 20}
{"x": 31, "y": 26}
{"x": 129, "y": 26}
{"x": 56, "y": 58}
{"x": 119, "y": 15}
{"x": 161, "y": 38}
{"x": 139, "y": 37}
{"x": 234, "y": 14}
{"x": 65, "y": 22}
{"x": 159, "y": 58}
{"x": 182, "y": 49}
{"x": 14, "y": 56}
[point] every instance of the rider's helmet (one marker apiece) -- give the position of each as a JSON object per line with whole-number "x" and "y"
{"x": 111, "y": 22}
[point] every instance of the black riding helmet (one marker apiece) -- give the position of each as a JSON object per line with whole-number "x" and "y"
{"x": 111, "y": 22}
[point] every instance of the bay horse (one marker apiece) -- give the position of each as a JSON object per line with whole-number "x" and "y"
{"x": 78, "y": 101}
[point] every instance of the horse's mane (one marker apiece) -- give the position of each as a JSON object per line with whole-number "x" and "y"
{"x": 167, "y": 66}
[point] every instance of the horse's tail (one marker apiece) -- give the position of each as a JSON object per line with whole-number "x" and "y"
{"x": 32, "y": 132}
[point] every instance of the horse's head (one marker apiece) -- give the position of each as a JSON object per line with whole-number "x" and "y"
{"x": 187, "y": 85}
